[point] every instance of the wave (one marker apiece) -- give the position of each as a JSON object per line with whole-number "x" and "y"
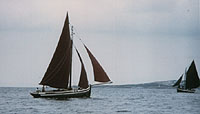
{"x": 123, "y": 111}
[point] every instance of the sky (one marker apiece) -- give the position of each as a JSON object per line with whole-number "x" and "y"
{"x": 136, "y": 41}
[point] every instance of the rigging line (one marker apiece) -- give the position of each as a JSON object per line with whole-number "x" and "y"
{"x": 77, "y": 35}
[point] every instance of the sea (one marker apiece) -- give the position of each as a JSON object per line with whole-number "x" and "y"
{"x": 147, "y": 98}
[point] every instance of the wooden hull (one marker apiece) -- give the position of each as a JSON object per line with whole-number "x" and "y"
{"x": 62, "y": 94}
{"x": 185, "y": 90}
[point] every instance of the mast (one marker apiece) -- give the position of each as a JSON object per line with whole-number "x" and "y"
{"x": 70, "y": 70}
{"x": 184, "y": 80}
{"x": 70, "y": 73}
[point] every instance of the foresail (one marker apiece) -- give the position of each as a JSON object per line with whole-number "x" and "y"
{"x": 178, "y": 81}
{"x": 192, "y": 78}
{"x": 99, "y": 74}
{"x": 83, "y": 82}
{"x": 57, "y": 74}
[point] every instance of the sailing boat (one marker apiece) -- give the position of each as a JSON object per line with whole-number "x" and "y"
{"x": 191, "y": 80}
{"x": 58, "y": 75}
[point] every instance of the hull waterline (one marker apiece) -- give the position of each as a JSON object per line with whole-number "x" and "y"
{"x": 185, "y": 90}
{"x": 74, "y": 93}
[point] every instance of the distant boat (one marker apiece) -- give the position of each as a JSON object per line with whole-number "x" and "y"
{"x": 190, "y": 82}
{"x": 59, "y": 76}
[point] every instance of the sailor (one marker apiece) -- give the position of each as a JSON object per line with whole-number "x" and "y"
{"x": 182, "y": 87}
{"x": 37, "y": 90}
{"x": 43, "y": 89}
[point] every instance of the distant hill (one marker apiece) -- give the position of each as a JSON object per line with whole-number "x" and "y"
{"x": 157, "y": 84}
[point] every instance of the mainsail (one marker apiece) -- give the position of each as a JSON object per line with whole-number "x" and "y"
{"x": 99, "y": 74}
{"x": 57, "y": 74}
{"x": 178, "y": 82}
{"x": 192, "y": 79}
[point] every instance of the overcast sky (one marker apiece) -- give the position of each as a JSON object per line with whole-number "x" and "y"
{"x": 136, "y": 41}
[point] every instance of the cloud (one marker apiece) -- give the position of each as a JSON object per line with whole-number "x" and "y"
{"x": 106, "y": 16}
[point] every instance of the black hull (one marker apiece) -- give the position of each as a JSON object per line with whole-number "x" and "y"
{"x": 185, "y": 90}
{"x": 63, "y": 94}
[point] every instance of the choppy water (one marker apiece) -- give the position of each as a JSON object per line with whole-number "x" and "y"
{"x": 153, "y": 98}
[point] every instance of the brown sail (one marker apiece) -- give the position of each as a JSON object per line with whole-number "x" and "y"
{"x": 192, "y": 79}
{"x": 99, "y": 74}
{"x": 83, "y": 82}
{"x": 179, "y": 81}
{"x": 57, "y": 74}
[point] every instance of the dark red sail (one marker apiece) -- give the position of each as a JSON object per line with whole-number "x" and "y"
{"x": 192, "y": 79}
{"x": 83, "y": 82}
{"x": 178, "y": 82}
{"x": 99, "y": 74}
{"x": 57, "y": 74}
